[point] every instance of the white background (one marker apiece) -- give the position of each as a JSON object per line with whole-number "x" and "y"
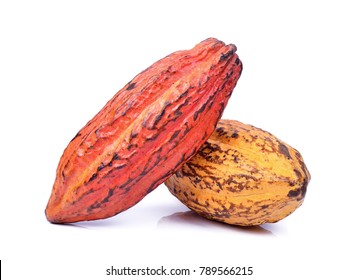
{"x": 60, "y": 61}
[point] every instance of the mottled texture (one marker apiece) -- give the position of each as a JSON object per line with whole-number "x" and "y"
{"x": 144, "y": 133}
{"x": 242, "y": 175}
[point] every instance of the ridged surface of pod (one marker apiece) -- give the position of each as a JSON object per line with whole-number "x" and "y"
{"x": 144, "y": 133}
{"x": 242, "y": 175}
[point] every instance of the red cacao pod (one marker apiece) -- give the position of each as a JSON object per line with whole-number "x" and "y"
{"x": 144, "y": 134}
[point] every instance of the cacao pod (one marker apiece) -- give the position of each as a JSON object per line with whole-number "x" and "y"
{"x": 144, "y": 133}
{"x": 242, "y": 175}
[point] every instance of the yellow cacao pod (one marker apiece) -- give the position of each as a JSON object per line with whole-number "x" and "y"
{"x": 242, "y": 175}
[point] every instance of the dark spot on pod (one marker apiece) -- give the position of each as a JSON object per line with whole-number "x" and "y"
{"x": 176, "y": 133}
{"x": 120, "y": 167}
{"x": 126, "y": 183}
{"x": 177, "y": 113}
{"x": 195, "y": 116}
{"x": 304, "y": 188}
{"x": 125, "y": 110}
{"x": 196, "y": 201}
{"x": 63, "y": 176}
{"x": 127, "y": 189}
{"x": 183, "y": 104}
{"x": 131, "y": 86}
{"x": 152, "y": 137}
{"x": 100, "y": 167}
{"x": 115, "y": 157}
{"x": 87, "y": 192}
{"x": 159, "y": 117}
{"x": 247, "y": 177}
{"x": 132, "y": 146}
{"x": 133, "y": 135}
{"x": 237, "y": 61}
{"x": 220, "y": 130}
{"x": 110, "y": 193}
{"x": 225, "y": 56}
{"x": 284, "y": 150}
{"x": 231, "y": 181}
{"x": 222, "y": 104}
{"x": 298, "y": 155}
{"x": 294, "y": 193}
{"x": 93, "y": 206}
{"x": 298, "y": 174}
{"x": 93, "y": 177}
{"x": 234, "y": 47}
{"x": 235, "y": 159}
{"x": 187, "y": 129}
{"x": 183, "y": 94}
{"x": 230, "y": 74}
{"x": 234, "y": 135}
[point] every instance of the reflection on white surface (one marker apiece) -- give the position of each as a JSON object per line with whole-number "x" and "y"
{"x": 190, "y": 218}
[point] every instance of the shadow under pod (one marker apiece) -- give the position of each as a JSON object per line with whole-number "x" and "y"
{"x": 192, "y": 219}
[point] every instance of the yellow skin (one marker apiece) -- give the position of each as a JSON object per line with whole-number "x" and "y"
{"x": 243, "y": 176}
